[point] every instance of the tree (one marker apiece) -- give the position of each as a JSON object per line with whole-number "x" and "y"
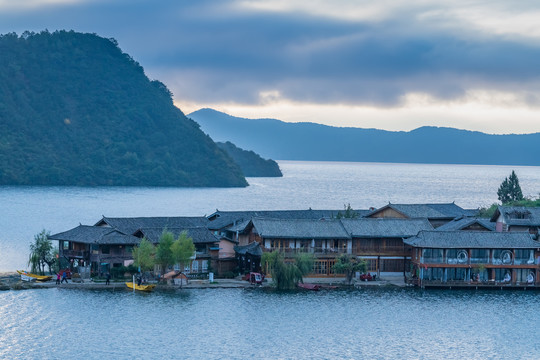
{"x": 349, "y": 266}
{"x": 182, "y": 249}
{"x": 42, "y": 253}
{"x": 144, "y": 255}
{"x": 286, "y": 276}
{"x": 510, "y": 191}
{"x": 164, "y": 254}
{"x": 348, "y": 213}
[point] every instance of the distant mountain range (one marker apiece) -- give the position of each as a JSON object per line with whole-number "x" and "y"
{"x": 309, "y": 141}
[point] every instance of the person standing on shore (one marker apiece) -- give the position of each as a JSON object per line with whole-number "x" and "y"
{"x": 58, "y": 278}
{"x": 64, "y": 277}
{"x": 108, "y": 279}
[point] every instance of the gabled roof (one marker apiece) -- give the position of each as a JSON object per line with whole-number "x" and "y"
{"x": 132, "y": 224}
{"x": 518, "y": 215}
{"x": 428, "y": 211}
{"x": 299, "y": 229}
{"x": 473, "y": 240}
{"x": 96, "y": 235}
{"x": 385, "y": 227}
{"x": 465, "y": 222}
{"x": 223, "y": 219}
{"x": 252, "y": 249}
{"x": 200, "y": 235}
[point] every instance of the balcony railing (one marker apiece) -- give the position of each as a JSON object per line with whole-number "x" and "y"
{"x": 75, "y": 254}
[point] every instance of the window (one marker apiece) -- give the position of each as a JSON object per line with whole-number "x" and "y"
{"x": 479, "y": 256}
{"x": 105, "y": 249}
{"x": 433, "y": 274}
{"x": 457, "y": 256}
{"x": 524, "y": 256}
{"x": 456, "y": 274}
{"x": 502, "y": 257}
{"x": 195, "y": 266}
{"x": 432, "y": 255}
{"x": 204, "y": 265}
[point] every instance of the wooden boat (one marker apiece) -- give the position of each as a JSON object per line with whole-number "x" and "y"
{"x": 26, "y": 276}
{"x": 313, "y": 287}
{"x": 146, "y": 288}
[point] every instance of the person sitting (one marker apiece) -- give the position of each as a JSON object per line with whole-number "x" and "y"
{"x": 506, "y": 277}
{"x": 530, "y": 278}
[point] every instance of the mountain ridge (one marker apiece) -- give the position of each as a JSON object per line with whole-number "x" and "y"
{"x": 316, "y": 142}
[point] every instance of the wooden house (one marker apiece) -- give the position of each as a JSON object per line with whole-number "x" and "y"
{"x": 517, "y": 218}
{"x": 474, "y": 258}
{"x": 437, "y": 214}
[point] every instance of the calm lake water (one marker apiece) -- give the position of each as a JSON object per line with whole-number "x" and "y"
{"x": 255, "y": 323}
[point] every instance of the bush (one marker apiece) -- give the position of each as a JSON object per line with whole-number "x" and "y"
{"x": 228, "y": 275}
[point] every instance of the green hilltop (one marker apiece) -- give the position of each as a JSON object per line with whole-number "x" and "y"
{"x": 76, "y": 110}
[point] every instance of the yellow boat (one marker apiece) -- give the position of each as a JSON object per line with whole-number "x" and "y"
{"x": 26, "y": 276}
{"x": 147, "y": 288}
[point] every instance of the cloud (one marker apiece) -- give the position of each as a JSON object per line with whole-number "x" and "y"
{"x": 352, "y": 52}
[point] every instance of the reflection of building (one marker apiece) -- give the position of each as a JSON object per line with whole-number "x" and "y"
{"x": 473, "y": 258}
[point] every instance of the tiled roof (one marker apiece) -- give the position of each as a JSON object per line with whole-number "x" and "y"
{"x": 200, "y": 235}
{"x": 226, "y": 218}
{"x": 429, "y": 211}
{"x": 385, "y": 227}
{"x": 253, "y": 249}
{"x": 132, "y": 224}
{"x": 462, "y": 223}
{"x": 518, "y": 215}
{"x": 300, "y": 229}
{"x": 473, "y": 240}
{"x": 96, "y": 235}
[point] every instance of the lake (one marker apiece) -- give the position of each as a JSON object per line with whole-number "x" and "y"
{"x": 25, "y": 211}
{"x": 382, "y": 323}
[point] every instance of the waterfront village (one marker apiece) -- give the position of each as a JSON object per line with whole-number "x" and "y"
{"x": 425, "y": 245}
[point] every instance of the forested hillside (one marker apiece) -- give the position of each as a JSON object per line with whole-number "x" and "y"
{"x": 252, "y": 164}
{"x": 309, "y": 141}
{"x": 76, "y": 110}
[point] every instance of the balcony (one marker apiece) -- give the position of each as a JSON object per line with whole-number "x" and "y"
{"x": 76, "y": 254}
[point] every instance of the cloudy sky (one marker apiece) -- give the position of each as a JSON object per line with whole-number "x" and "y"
{"x": 393, "y": 65}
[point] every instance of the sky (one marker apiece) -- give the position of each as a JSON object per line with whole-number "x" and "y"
{"x": 394, "y": 65}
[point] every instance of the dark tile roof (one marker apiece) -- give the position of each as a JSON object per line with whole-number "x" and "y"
{"x": 429, "y": 211}
{"x": 96, "y": 235}
{"x": 473, "y": 240}
{"x": 200, "y": 235}
{"x": 132, "y": 224}
{"x": 300, "y": 228}
{"x": 223, "y": 219}
{"x": 518, "y": 215}
{"x": 464, "y": 222}
{"x": 252, "y": 249}
{"x": 385, "y": 227}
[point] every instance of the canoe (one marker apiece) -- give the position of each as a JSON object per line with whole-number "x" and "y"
{"x": 26, "y": 276}
{"x": 313, "y": 287}
{"x": 141, "y": 287}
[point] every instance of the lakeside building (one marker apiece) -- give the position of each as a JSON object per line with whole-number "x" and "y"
{"x": 474, "y": 259}
{"x": 517, "y": 218}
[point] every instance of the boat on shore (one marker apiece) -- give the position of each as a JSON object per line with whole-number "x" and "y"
{"x": 26, "y": 276}
{"x": 147, "y": 288}
{"x": 306, "y": 286}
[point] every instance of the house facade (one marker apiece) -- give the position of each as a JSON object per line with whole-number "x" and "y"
{"x": 472, "y": 258}
{"x": 517, "y": 218}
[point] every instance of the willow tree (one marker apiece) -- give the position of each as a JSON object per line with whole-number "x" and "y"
{"x": 286, "y": 275}
{"x": 42, "y": 253}
{"x": 143, "y": 255}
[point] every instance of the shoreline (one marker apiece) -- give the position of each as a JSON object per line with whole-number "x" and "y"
{"x": 12, "y": 281}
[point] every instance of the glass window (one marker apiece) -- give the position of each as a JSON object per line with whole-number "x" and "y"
{"x": 433, "y": 274}
{"x": 502, "y": 257}
{"x": 524, "y": 256}
{"x": 456, "y": 274}
{"x": 457, "y": 256}
{"x": 432, "y": 255}
{"x": 479, "y": 256}
{"x": 105, "y": 249}
{"x": 205, "y": 265}
{"x": 195, "y": 266}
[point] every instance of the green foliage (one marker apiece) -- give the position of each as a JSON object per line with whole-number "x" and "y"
{"x": 349, "y": 265}
{"x": 510, "y": 191}
{"x": 164, "y": 253}
{"x": 76, "y": 110}
{"x": 228, "y": 275}
{"x": 252, "y": 164}
{"x": 182, "y": 249}
{"x": 285, "y": 276}
{"x": 143, "y": 255}
{"x": 348, "y": 213}
{"x": 487, "y": 212}
{"x": 42, "y": 253}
